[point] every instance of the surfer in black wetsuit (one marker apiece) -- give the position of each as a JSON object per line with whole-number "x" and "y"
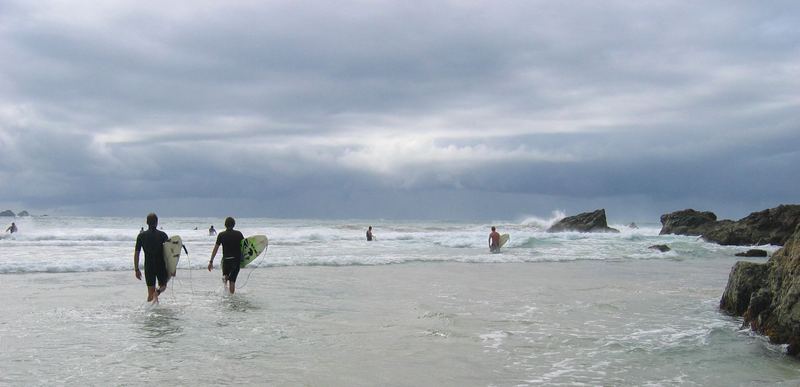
{"x": 12, "y": 228}
{"x": 369, "y": 233}
{"x": 212, "y": 231}
{"x": 152, "y": 242}
{"x": 231, "y": 241}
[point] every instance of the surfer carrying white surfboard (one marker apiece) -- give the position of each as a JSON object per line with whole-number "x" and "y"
{"x": 152, "y": 242}
{"x": 12, "y": 228}
{"x": 494, "y": 240}
{"x": 231, "y": 241}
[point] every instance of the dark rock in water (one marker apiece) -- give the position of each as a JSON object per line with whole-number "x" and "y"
{"x": 767, "y": 294}
{"x": 633, "y": 225}
{"x": 773, "y": 226}
{"x": 585, "y": 222}
{"x": 661, "y": 248}
{"x": 687, "y": 222}
{"x": 7, "y": 213}
{"x": 24, "y": 213}
{"x": 752, "y": 253}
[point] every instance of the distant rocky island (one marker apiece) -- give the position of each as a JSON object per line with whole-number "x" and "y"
{"x": 586, "y": 222}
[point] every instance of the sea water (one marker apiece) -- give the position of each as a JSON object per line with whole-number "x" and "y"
{"x": 425, "y": 304}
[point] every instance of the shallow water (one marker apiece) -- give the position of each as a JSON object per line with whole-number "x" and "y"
{"x": 564, "y": 309}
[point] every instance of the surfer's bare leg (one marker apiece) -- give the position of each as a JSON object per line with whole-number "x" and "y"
{"x": 152, "y": 296}
{"x": 233, "y": 287}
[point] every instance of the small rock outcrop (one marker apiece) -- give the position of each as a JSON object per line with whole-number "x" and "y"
{"x": 24, "y": 213}
{"x": 767, "y": 295}
{"x": 752, "y": 253}
{"x": 585, "y": 222}
{"x": 688, "y": 222}
{"x": 773, "y": 226}
{"x": 661, "y": 248}
{"x": 633, "y": 226}
{"x": 7, "y": 213}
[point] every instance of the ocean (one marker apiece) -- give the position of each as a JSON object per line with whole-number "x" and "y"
{"x": 425, "y": 304}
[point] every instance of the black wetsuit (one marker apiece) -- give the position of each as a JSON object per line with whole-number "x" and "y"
{"x": 231, "y": 241}
{"x": 152, "y": 242}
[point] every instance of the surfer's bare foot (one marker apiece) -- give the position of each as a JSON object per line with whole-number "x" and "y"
{"x": 161, "y": 290}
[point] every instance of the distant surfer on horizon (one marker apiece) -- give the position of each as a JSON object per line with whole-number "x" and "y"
{"x": 231, "y": 241}
{"x": 369, "y": 234}
{"x": 12, "y": 228}
{"x": 152, "y": 242}
{"x": 494, "y": 240}
{"x": 212, "y": 231}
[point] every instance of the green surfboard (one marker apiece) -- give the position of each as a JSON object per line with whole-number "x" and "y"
{"x": 252, "y": 247}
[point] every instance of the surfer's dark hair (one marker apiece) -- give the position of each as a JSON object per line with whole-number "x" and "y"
{"x": 152, "y": 219}
{"x": 492, "y": 228}
{"x": 230, "y": 222}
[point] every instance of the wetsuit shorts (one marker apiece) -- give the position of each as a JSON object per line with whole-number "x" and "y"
{"x": 155, "y": 269}
{"x": 230, "y": 268}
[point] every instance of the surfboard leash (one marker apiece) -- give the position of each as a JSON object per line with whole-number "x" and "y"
{"x": 260, "y": 259}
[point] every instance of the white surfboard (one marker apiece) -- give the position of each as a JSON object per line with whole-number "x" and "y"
{"x": 252, "y": 247}
{"x": 503, "y": 239}
{"x": 172, "y": 253}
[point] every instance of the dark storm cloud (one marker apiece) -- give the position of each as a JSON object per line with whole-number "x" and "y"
{"x": 315, "y": 108}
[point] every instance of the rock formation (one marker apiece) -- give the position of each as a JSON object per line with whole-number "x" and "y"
{"x": 585, "y": 222}
{"x": 752, "y": 253}
{"x": 687, "y": 222}
{"x": 24, "y": 213}
{"x": 661, "y": 248}
{"x": 767, "y": 294}
{"x": 7, "y": 213}
{"x": 772, "y": 226}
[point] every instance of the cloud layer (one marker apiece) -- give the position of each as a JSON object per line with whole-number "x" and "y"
{"x": 392, "y": 109}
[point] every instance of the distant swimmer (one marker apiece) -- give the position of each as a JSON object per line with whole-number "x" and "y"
{"x": 212, "y": 231}
{"x": 494, "y": 240}
{"x": 231, "y": 241}
{"x": 12, "y": 228}
{"x": 369, "y": 234}
{"x": 152, "y": 242}
{"x": 141, "y": 230}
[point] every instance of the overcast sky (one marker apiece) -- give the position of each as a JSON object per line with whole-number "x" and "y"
{"x": 418, "y": 110}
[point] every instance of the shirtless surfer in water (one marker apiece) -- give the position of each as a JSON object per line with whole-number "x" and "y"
{"x": 494, "y": 240}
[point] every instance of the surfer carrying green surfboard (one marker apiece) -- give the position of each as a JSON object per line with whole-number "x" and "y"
{"x": 152, "y": 242}
{"x": 231, "y": 241}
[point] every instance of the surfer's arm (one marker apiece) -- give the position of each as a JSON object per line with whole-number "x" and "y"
{"x": 136, "y": 264}
{"x": 213, "y": 254}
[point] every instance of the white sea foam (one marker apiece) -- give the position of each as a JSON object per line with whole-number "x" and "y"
{"x": 98, "y": 244}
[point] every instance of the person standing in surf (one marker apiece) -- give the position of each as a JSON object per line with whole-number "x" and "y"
{"x": 12, "y": 228}
{"x": 212, "y": 231}
{"x": 152, "y": 242}
{"x": 231, "y": 241}
{"x": 369, "y": 234}
{"x": 494, "y": 240}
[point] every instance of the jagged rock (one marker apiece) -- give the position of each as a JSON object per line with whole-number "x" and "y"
{"x": 773, "y": 226}
{"x": 585, "y": 222}
{"x": 767, "y": 295}
{"x": 7, "y": 213}
{"x": 752, "y": 253}
{"x": 661, "y": 248}
{"x": 633, "y": 225}
{"x": 687, "y": 222}
{"x": 24, "y": 213}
